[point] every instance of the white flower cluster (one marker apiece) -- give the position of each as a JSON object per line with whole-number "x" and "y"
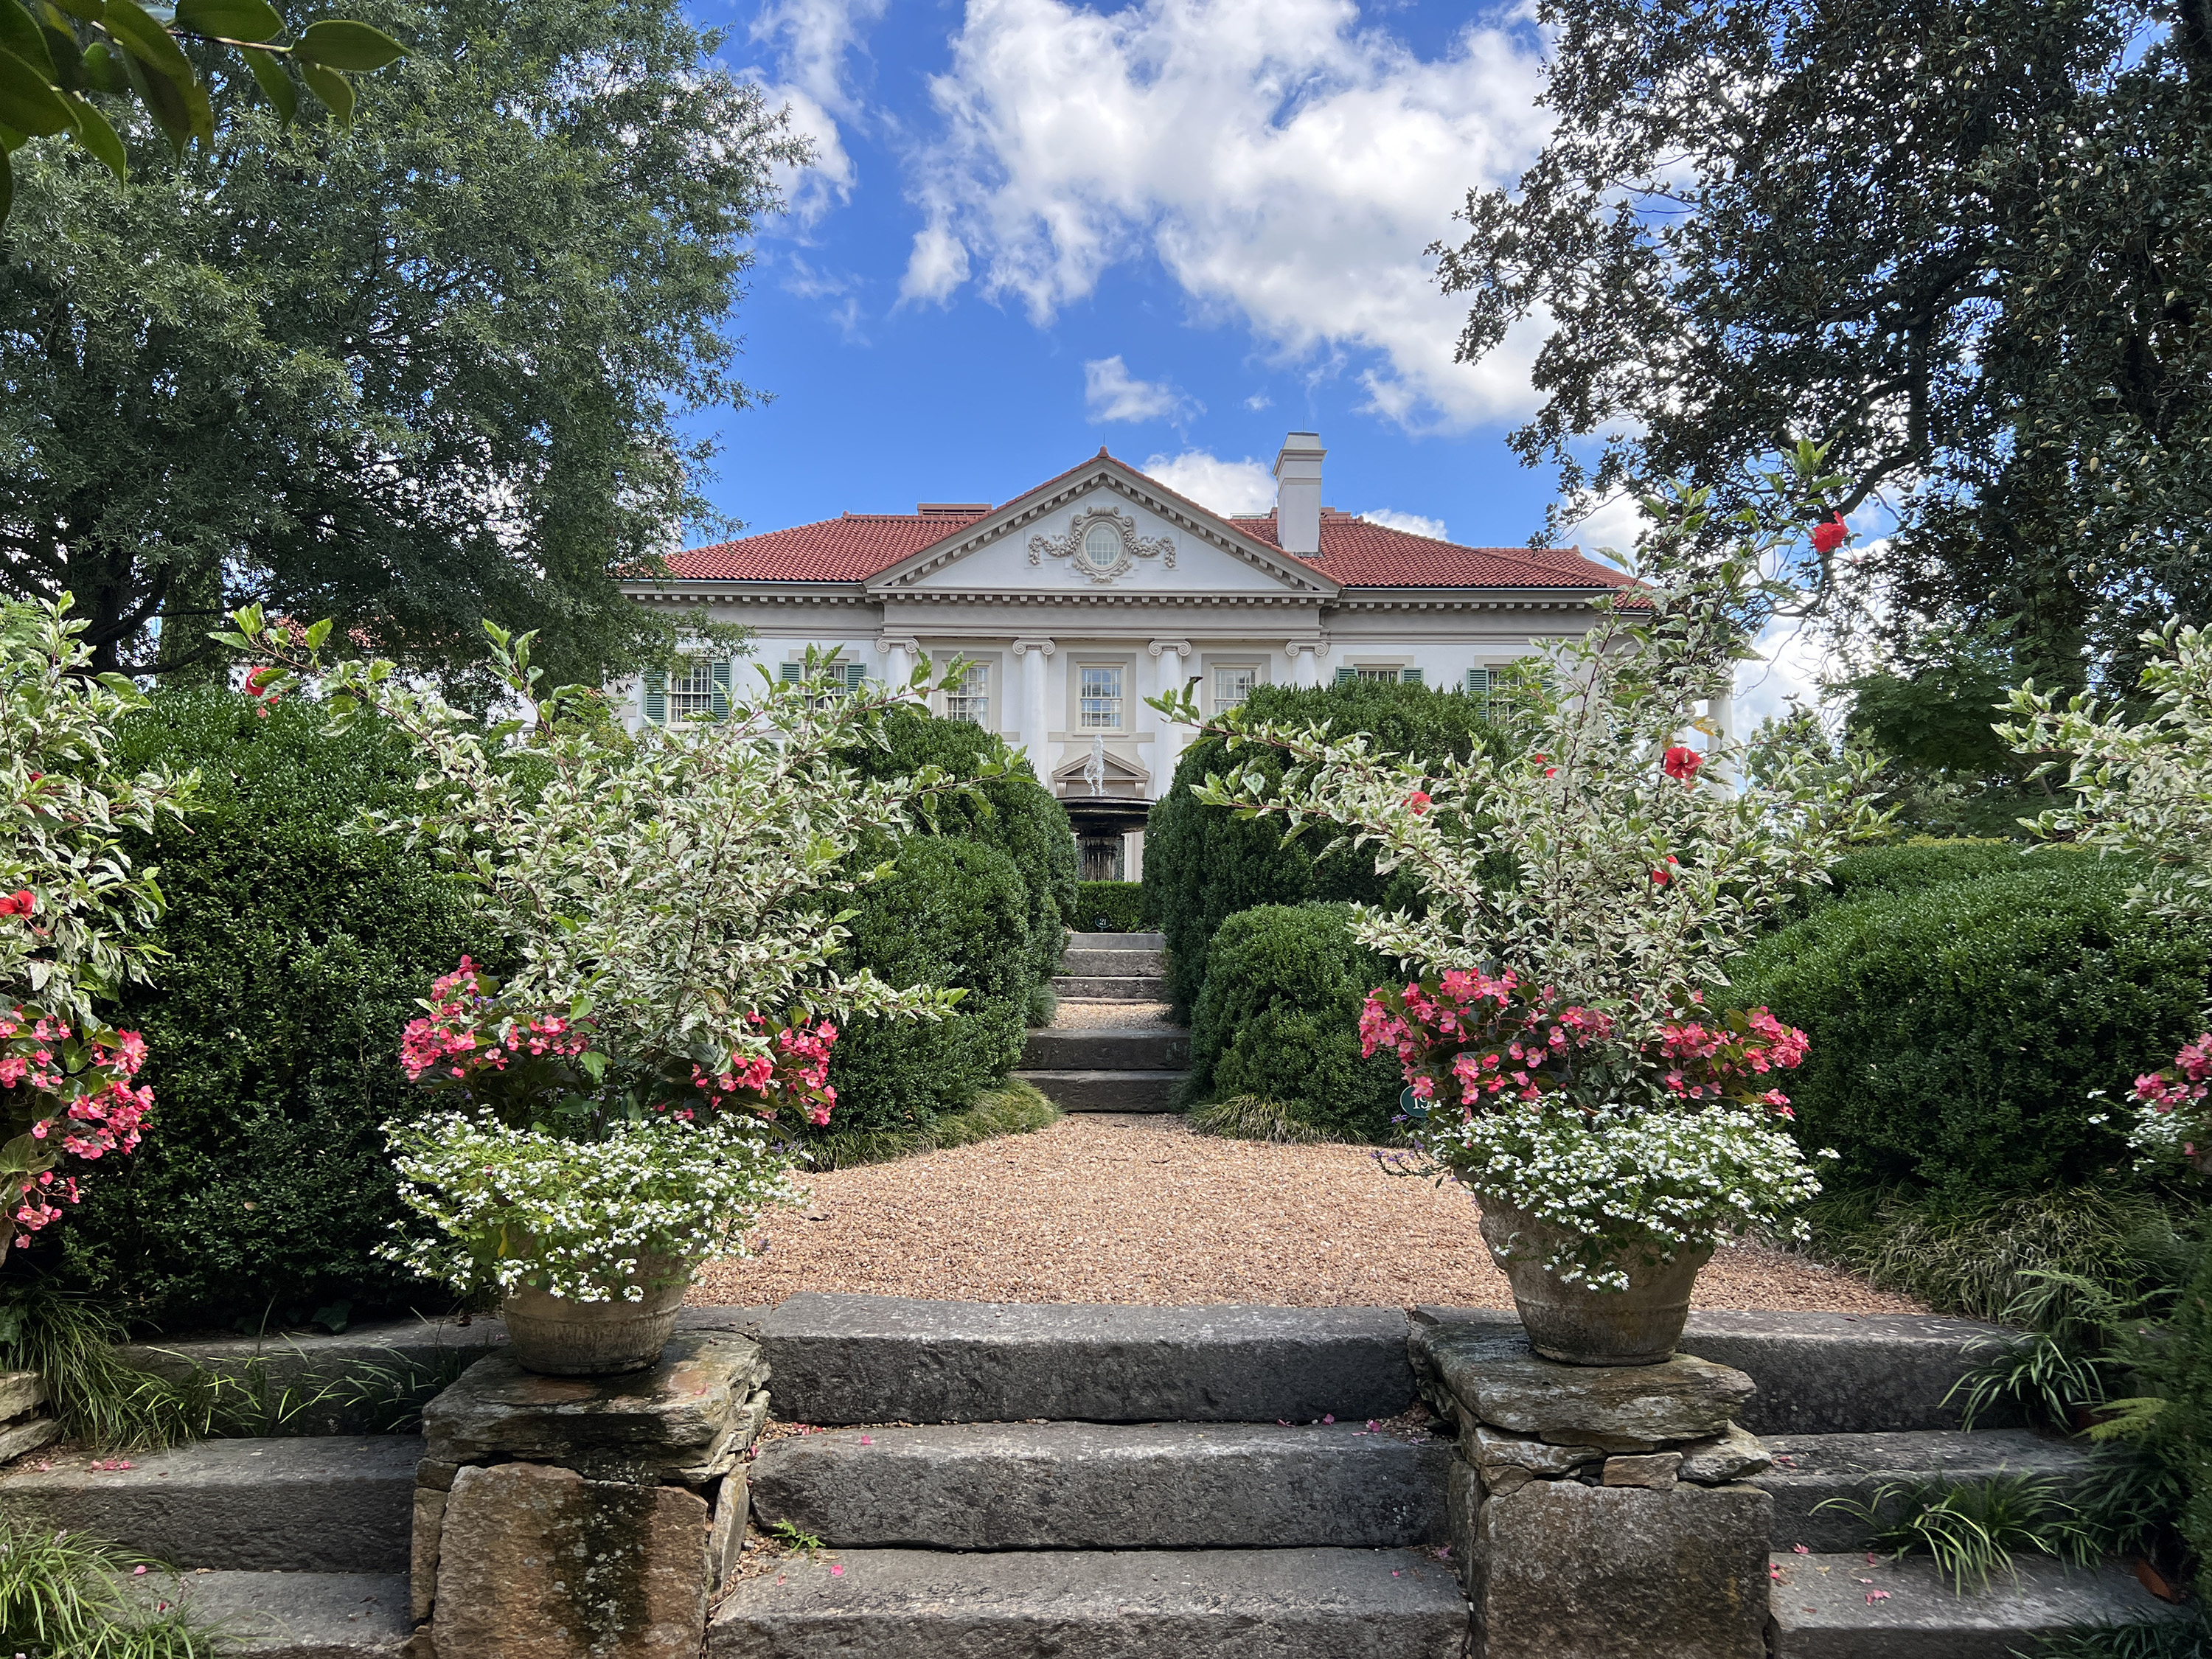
{"x": 1620, "y": 1179}
{"x": 582, "y": 1220}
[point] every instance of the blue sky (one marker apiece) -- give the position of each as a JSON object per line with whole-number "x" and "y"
{"x": 1178, "y": 228}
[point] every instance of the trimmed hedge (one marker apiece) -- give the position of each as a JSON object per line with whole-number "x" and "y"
{"x": 1204, "y": 864}
{"x": 952, "y": 913}
{"x": 1278, "y": 1019}
{"x": 299, "y": 945}
{"x": 1957, "y": 1029}
{"x": 1014, "y": 814}
{"x": 1109, "y": 906}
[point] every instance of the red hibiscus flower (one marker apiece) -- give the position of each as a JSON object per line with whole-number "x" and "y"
{"x": 1418, "y": 800}
{"x": 1827, "y": 538}
{"x": 21, "y": 902}
{"x": 1682, "y": 762}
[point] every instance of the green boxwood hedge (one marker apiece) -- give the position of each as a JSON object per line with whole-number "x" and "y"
{"x": 954, "y": 914}
{"x": 1958, "y": 1028}
{"x": 1204, "y": 864}
{"x": 1278, "y": 1018}
{"x": 297, "y": 944}
{"x": 1109, "y": 906}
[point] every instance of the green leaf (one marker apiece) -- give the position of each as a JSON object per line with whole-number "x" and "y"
{"x": 27, "y": 101}
{"x": 334, "y": 90}
{"x": 276, "y": 85}
{"x": 69, "y": 60}
{"x": 335, "y": 43}
{"x": 92, "y": 12}
{"x": 7, "y": 185}
{"x": 200, "y": 113}
{"x": 11, "y": 141}
{"x": 164, "y": 97}
{"x": 95, "y": 133}
{"x": 317, "y": 633}
{"x": 20, "y": 34}
{"x": 146, "y": 40}
{"x": 231, "y": 20}
{"x": 101, "y": 71}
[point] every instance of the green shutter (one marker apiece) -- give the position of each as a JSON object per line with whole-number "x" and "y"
{"x": 1409, "y": 676}
{"x": 1477, "y": 685}
{"x": 721, "y": 703}
{"x": 856, "y": 677}
{"x": 792, "y": 671}
{"x": 656, "y": 697}
{"x": 1346, "y": 675}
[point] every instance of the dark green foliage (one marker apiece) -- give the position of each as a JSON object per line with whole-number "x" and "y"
{"x": 1109, "y": 906}
{"x": 1958, "y": 1029}
{"x": 952, "y": 913}
{"x": 300, "y": 944}
{"x": 1203, "y": 863}
{"x": 1010, "y": 1107}
{"x": 1278, "y": 1019}
{"x": 1911, "y": 866}
{"x": 1015, "y": 814}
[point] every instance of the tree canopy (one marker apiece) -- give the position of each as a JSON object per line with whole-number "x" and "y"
{"x": 410, "y": 374}
{"x": 1969, "y": 241}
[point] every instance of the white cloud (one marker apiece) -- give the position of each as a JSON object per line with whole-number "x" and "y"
{"x": 937, "y": 265}
{"x": 1792, "y": 662}
{"x": 1258, "y": 401}
{"x": 1232, "y": 489}
{"x": 1110, "y": 393}
{"x": 1413, "y": 522}
{"x": 810, "y": 41}
{"x": 1286, "y": 163}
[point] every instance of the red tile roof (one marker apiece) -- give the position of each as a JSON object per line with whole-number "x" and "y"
{"x": 1354, "y": 552}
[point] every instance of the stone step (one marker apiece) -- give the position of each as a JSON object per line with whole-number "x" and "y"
{"x": 1088, "y": 1486}
{"x": 1820, "y": 1608}
{"x": 1111, "y": 1091}
{"x": 1222, "y": 1604}
{"x": 1146, "y": 987}
{"x": 1113, "y": 963}
{"x": 1117, "y": 941}
{"x": 292, "y": 1616}
{"x": 1811, "y": 1469}
{"x": 881, "y": 1359}
{"x": 1818, "y": 1373}
{"x": 310, "y": 1503}
{"x": 1109, "y": 1048}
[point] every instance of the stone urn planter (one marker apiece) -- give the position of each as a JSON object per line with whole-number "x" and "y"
{"x": 1579, "y": 1326}
{"x": 557, "y": 1337}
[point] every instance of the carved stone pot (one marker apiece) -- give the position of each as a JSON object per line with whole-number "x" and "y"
{"x": 1579, "y": 1326}
{"x": 557, "y": 1337}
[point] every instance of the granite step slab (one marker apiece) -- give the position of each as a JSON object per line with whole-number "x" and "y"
{"x": 1818, "y": 1373}
{"x": 1128, "y": 988}
{"x": 292, "y": 1616}
{"x": 1117, "y": 941}
{"x": 1113, "y": 963}
{"x": 1109, "y": 1048}
{"x": 1820, "y": 1608}
{"x": 1087, "y": 1486}
{"x": 1111, "y": 1091}
{"x": 1222, "y": 1604}
{"x": 838, "y": 1359}
{"x": 1812, "y": 1469}
{"x": 309, "y": 1503}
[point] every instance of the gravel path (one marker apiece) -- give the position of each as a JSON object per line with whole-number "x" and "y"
{"x": 1102, "y": 1207}
{"x": 1074, "y": 1016}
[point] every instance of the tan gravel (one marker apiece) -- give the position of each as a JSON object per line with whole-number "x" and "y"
{"x": 1102, "y": 1207}
{"x": 1074, "y": 1016}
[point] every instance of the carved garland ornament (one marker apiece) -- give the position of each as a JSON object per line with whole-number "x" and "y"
{"x": 1102, "y": 544}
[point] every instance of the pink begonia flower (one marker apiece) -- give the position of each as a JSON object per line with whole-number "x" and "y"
{"x": 1418, "y": 802}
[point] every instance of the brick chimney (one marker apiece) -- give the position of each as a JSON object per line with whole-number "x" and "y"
{"x": 1297, "y": 494}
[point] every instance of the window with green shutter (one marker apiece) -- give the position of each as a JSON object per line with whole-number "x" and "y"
{"x": 720, "y": 705}
{"x": 656, "y": 697}
{"x": 1409, "y": 676}
{"x": 791, "y": 671}
{"x": 1478, "y": 686}
{"x": 1346, "y": 675}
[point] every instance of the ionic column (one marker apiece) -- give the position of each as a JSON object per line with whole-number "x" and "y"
{"x": 1305, "y": 661}
{"x": 1035, "y": 726}
{"x": 1168, "y": 656}
{"x": 898, "y": 660}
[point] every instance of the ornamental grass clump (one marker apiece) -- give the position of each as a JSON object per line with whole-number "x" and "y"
{"x": 622, "y": 1103}
{"x": 1564, "y": 1029}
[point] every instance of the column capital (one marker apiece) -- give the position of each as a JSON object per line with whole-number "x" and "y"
{"x": 1291, "y": 647}
{"x": 1042, "y": 647}
{"x": 888, "y": 643}
{"x": 1161, "y": 647}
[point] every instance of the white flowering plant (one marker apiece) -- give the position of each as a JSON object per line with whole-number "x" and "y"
{"x": 2142, "y": 787}
{"x": 1564, "y": 1034}
{"x": 673, "y": 901}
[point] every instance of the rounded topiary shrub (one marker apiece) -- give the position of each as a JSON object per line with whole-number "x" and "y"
{"x": 1015, "y": 814}
{"x": 1204, "y": 864}
{"x": 1278, "y": 1019}
{"x": 297, "y": 944}
{"x": 951, "y": 913}
{"x": 1956, "y": 1029}
{"x": 1109, "y": 906}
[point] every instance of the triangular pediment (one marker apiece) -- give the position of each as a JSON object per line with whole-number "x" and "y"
{"x": 1103, "y": 529}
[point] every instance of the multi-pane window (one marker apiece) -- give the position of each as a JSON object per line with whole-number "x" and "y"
{"x": 1232, "y": 685}
{"x": 1101, "y": 700}
{"x": 971, "y": 700}
{"x": 1378, "y": 676}
{"x": 691, "y": 691}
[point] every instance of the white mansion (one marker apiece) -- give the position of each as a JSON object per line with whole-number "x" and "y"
{"x": 1099, "y": 588}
